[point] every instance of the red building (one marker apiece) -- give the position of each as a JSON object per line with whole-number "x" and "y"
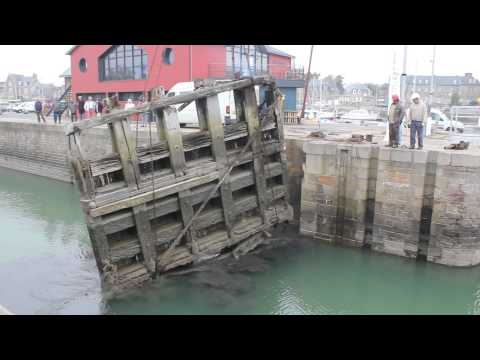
{"x": 131, "y": 71}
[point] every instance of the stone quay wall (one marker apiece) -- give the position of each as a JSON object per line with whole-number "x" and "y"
{"x": 408, "y": 203}
{"x": 42, "y": 149}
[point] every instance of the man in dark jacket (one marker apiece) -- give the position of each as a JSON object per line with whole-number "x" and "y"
{"x": 395, "y": 116}
{"x": 38, "y": 110}
{"x": 81, "y": 107}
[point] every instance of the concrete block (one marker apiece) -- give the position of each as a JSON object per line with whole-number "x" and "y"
{"x": 466, "y": 160}
{"x": 362, "y": 151}
{"x": 384, "y": 154}
{"x": 319, "y": 148}
{"x": 401, "y": 155}
{"x": 420, "y": 156}
{"x": 444, "y": 159}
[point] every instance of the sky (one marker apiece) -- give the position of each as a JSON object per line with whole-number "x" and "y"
{"x": 356, "y": 63}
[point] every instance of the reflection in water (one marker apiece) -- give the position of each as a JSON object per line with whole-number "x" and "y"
{"x": 47, "y": 267}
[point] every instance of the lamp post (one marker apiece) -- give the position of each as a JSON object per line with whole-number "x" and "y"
{"x": 403, "y": 82}
{"x": 306, "y": 84}
{"x": 430, "y": 100}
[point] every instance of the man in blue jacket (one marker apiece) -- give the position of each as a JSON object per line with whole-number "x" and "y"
{"x": 38, "y": 110}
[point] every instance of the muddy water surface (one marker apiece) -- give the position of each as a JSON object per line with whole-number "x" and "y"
{"x": 47, "y": 267}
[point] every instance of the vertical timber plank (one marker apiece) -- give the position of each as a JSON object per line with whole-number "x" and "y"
{"x": 239, "y": 109}
{"x": 170, "y": 129}
{"x": 201, "y": 105}
{"x": 101, "y": 248}
{"x": 146, "y": 237}
{"x": 215, "y": 127}
{"x": 279, "y": 118}
{"x": 84, "y": 168}
{"x": 255, "y": 130}
{"x": 124, "y": 145}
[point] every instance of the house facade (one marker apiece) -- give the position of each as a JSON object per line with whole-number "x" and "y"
{"x": 357, "y": 94}
{"x": 23, "y": 87}
{"x": 467, "y": 87}
{"x": 132, "y": 71}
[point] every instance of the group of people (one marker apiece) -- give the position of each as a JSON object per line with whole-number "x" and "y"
{"x": 81, "y": 110}
{"x": 416, "y": 116}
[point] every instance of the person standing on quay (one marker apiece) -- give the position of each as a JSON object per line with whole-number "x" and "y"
{"x": 90, "y": 107}
{"x": 57, "y": 112}
{"x": 395, "y": 115}
{"x": 72, "y": 108}
{"x": 99, "y": 107}
{"x": 417, "y": 118}
{"x": 38, "y": 110}
{"x": 81, "y": 108}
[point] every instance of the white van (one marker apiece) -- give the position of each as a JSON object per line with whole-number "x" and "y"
{"x": 28, "y": 107}
{"x": 188, "y": 116}
{"x": 439, "y": 118}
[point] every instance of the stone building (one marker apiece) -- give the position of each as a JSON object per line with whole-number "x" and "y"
{"x": 467, "y": 87}
{"x": 27, "y": 87}
{"x": 359, "y": 94}
{"x": 2, "y": 89}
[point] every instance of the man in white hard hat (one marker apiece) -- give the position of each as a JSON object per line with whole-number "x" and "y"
{"x": 417, "y": 116}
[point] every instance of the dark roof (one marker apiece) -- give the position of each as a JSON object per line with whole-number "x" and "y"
{"x": 66, "y": 73}
{"x": 69, "y": 52}
{"x": 271, "y": 50}
{"x": 441, "y": 80}
{"x": 356, "y": 86}
{"x": 19, "y": 77}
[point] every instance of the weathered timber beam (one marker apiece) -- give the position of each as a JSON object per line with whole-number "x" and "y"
{"x": 167, "y": 233}
{"x": 191, "y": 142}
{"x": 172, "y": 246}
{"x": 101, "y": 248}
{"x": 151, "y": 195}
{"x": 123, "y": 143}
{"x": 250, "y": 107}
{"x": 279, "y": 119}
{"x": 240, "y": 180}
{"x": 171, "y": 130}
{"x": 167, "y": 101}
{"x": 215, "y": 127}
{"x": 146, "y": 237}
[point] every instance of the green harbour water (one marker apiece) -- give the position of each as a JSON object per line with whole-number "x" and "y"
{"x": 47, "y": 267}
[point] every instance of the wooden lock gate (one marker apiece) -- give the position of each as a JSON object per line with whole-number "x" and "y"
{"x": 186, "y": 197}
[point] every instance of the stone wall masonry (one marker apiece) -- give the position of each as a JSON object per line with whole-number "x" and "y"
{"x": 295, "y": 163}
{"x": 335, "y": 192}
{"x": 42, "y": 149}
{"x": 397, "y": 201}
{"x": 455, "y": 228}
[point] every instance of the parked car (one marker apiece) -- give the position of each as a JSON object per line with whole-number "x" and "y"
{"x": 18, "y": 108}
{"x": 28, "y": 107}
{"x": 360, "y": 114}
{"x": 11, "y": 105}
{"x": 440, "y": 119}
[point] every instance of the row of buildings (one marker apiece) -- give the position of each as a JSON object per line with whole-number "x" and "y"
{"x": 447, "y": 91}
{"x": 22, "y": 87}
